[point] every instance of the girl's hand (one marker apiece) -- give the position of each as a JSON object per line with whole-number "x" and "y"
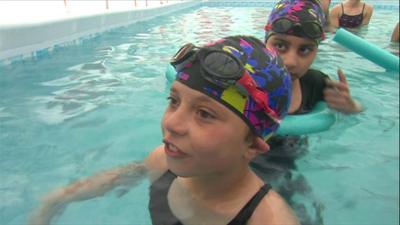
{"x": 337, "y": 95}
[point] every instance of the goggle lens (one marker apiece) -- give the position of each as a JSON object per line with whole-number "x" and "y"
{"x": 282, "y": 25}
{"x": 222, "y": 66}
{"x": 313, "y": 30}
{"x": 310, "y": 29}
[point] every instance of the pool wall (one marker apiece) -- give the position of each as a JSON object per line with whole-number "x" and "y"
{"x": 378, "y": 5}
{"x": 33, "y": 40}
{"x": 26, "y": 40}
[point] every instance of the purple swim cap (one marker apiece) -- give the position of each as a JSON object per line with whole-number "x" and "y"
{"x": 259, "y": 71}
{"x": 298, "y": 11}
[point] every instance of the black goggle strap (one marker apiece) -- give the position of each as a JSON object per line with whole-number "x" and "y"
{"x": 182, "y": 52}
{"x": 184, "y": 55}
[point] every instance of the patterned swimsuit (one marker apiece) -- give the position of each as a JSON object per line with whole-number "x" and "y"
{"x": 351, "y": 21}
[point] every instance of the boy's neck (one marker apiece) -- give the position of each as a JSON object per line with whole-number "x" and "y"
{"x": 220, "y": 186}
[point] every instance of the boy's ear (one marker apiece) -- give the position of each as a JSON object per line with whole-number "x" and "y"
{"x": 257, "y": 146}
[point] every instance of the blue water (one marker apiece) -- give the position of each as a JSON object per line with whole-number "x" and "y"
{"x": 97, "y": 104}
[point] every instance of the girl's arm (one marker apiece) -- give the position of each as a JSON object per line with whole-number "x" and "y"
{"x": 368, "y": 14}
{"x": 334, "y": 17}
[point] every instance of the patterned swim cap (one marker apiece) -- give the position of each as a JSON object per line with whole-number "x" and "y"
{"x": 263, "y": 66}
{"x": 297, "y": 11}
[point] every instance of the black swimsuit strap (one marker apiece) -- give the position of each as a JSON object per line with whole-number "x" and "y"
{"x": 245, "y": 213}
{"x": 342, "y": 8}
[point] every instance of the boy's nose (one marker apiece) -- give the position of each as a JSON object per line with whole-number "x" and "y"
{"x": 176, "y": 122}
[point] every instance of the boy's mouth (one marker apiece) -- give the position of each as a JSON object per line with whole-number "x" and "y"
{"x": 173, "y": 151}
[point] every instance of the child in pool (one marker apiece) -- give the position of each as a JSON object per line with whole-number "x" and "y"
{"x": 294, "y": 29}
{"x": 350, "y": 14}
{"x": 325, "y": 8}
{"x": 227, "y": 99}
{"x": 297, "y": 45}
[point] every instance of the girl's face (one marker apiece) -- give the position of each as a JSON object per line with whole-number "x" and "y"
{"x": 297, "y": 53}
{"x": 201, "y": 135}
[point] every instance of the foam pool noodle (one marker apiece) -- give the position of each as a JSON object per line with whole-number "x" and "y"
{"x": 367, "y": 50}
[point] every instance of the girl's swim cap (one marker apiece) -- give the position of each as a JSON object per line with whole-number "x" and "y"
{"x": 271, "y": 82}
{"x": 297, "y": 11}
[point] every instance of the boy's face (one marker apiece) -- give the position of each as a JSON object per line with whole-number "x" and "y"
{"x": 297, "y": 53}
{"x": 201, "y": 135}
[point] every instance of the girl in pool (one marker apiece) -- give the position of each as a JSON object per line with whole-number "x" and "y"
{"x": 350, "y": 14}
{"x": 325, "y": 7}
{"x": 294, "y": 29}
{"x": 297, "y": 43}
{"x": 227, "y": 99}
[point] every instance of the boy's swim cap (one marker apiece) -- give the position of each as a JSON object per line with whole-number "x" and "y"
{"x": 264, "y": 67}
{"x": 298, "y": 11}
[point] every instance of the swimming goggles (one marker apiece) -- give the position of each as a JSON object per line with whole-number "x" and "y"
{"x": 310, "y": 29}
{"x": 223, "y": 69}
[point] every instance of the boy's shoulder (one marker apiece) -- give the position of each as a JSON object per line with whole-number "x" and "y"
{"x": 273, "y": 210}
{"x": 156, "y": 163}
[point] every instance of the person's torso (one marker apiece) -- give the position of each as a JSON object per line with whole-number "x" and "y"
{"x": 285, "y": 149}
{"x": 351, "y": 21}
{"x": 161, "y": 213}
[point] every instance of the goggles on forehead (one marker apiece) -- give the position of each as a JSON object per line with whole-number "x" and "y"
{"x": 310, "y": 29}
{"x": 223, "y": 69}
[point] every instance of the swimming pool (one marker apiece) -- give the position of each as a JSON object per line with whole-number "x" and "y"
{"x": 94, "y": 105}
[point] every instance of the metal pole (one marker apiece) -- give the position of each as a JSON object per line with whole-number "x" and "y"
{"x": 106, "y": 4}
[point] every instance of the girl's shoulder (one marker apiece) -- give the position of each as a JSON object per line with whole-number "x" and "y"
{"x": 336, "y": 8}
{"x": 368, "y": 7}
{"x": 313, "y": 75}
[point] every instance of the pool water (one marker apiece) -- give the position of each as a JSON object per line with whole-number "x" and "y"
{"x": 97, "y": 104}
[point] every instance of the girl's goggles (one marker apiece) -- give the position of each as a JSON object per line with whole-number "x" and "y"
{"x": 223, "y": 69}
{"x": 310, "y": 29}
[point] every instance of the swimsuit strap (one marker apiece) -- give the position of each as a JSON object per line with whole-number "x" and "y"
{"x": 362, "y": 12}
{"x": 245, "y": 213}
{"x": 342, "y": 8}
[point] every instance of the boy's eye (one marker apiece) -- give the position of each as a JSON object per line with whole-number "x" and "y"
{"x": 172, "y": 101}
{"x": 205, "y": 114}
